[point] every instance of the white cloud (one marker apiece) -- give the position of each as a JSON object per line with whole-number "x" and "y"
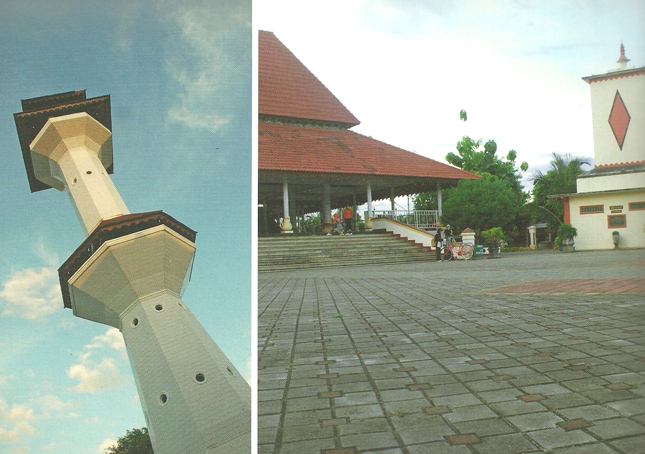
{"x": 32, "y": 294}
{"x": 207, "y": 61}
{"x": 92, "y": 379}
{"x": 112, "y": 339}
{"x": 107, "y": 443}
{"x": 51, "y": 405}
{"x": 15, "y": 423}
{"x": 67, "y": 324}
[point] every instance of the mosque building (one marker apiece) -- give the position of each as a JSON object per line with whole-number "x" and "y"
{"x": 611, "y": 197}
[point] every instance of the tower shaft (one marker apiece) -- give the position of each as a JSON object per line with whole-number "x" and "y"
{"x": 67, "y": 154}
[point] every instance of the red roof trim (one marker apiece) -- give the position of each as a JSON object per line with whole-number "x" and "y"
{"x": 620, "y": 164}
{"x": 617, "y": 75}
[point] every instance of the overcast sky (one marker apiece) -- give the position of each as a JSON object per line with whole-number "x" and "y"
{"x": 406, "y": 68}
{"x": 179, "y": 76}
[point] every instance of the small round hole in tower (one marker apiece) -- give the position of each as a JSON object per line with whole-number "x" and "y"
{"x": 135, "y": 322}
{"x": 199, "y": 377}
{"x": 158, "y": 307}
{"x": 89, "y": 172}
{"x": 163, "y": 398}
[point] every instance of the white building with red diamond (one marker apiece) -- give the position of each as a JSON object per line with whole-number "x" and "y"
{"x": 611, "y": 197}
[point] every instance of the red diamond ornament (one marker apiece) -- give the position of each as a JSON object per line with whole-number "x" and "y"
{"x": 619, "y": 120}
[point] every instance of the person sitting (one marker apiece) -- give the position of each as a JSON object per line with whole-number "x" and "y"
{"x": 337, "y": 228}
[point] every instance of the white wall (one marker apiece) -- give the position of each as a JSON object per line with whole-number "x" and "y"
{"x": 405, "y": 231}
{"x": 593, "y": 229}
{"x": 611, "y": 182}
{"x": 632, "y": 91}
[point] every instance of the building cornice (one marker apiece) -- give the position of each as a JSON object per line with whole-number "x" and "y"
{"x": 618, "y": 74}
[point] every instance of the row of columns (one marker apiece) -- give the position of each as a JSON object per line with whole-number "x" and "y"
{"x": 287, "y": 227}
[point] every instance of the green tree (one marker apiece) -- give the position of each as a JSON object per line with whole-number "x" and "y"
{"x": 494, "y": 200}
{"x": 136, "y": 441}
{"x": 485, "y": 161}
{"x": 426, "y": 201}
{"x": 559, "y": 179}
{"x": 481, "y": 204}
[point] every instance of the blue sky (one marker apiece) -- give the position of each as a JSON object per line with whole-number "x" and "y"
{"x": 179, "y": 76}
{"x": 405, "y": 68}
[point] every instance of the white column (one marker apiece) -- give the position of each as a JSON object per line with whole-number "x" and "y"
{"x": 532, "y": 236}
{"x": 286, "y": 223}
{"x": 293, "y": 213}
{"x": 326, "y": 205}
{"x": 368, "y": 219}
{"x": 439, "y": 199}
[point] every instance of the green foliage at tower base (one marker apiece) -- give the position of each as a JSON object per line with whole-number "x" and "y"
{"x": 136, "y": 441}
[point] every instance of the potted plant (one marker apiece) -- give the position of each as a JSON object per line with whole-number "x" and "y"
{"x": 615, "y": 236}
{"x": 492, "y": 238}
{"x": 566, "y": 234}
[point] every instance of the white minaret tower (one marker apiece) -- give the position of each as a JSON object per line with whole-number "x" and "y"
{"x": 130, "y": 273}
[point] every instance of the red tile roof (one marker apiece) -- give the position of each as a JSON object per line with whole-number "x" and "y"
{"x": 288, "y": 89}
{"x": 308, "y": 149}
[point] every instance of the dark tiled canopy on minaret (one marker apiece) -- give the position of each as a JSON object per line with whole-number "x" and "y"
{"x": 110, "y": 229}
{"x": 36, "y": 112}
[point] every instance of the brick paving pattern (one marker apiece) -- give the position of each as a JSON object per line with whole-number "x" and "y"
{"x": 530, "y": 353}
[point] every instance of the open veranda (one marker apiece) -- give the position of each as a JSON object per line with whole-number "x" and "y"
{"x": 532, "y": 353}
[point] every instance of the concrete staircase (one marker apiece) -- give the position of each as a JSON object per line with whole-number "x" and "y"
{"x": 306, "y": 252}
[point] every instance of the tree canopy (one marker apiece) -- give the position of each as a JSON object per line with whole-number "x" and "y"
{"x": 496, "y": 199}
{"x": 485, "y": 161}
{"x": 136, "y": 441}
{"x": 481, "y": 204}
{"x": 559, "y": 179}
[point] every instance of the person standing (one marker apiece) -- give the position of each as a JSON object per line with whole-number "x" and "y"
{"x": 448, "y": 234}
{"x": 438, "y": 243}
{"x": 348, "y": 215}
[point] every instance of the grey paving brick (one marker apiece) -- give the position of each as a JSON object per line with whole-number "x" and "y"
{"x": 558, "y": 438}
{"x": 505, "y": 444}
{"x": 588, "y": 412}
{"x": 631, "y": 444}
{"x": 440, "y": 447}
{"x": 615, "y": 428}
{"x": 469, "y": 413}
{"x": 499, "y": 395}
{"x": 534, "y": 421}
{"x": 517, "y": 407}
{"x": 568, "y": 400}
{"x": 629, "y": 407}
{"x": 457, "y": 400}
{"x": 377, "y": 440}
{"x": 364, "y": 426}
{"x": 590, "y": 448}
{"x": 485, "y": 427}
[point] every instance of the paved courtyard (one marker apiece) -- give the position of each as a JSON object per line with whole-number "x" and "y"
{"x": 530, "y": 353}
